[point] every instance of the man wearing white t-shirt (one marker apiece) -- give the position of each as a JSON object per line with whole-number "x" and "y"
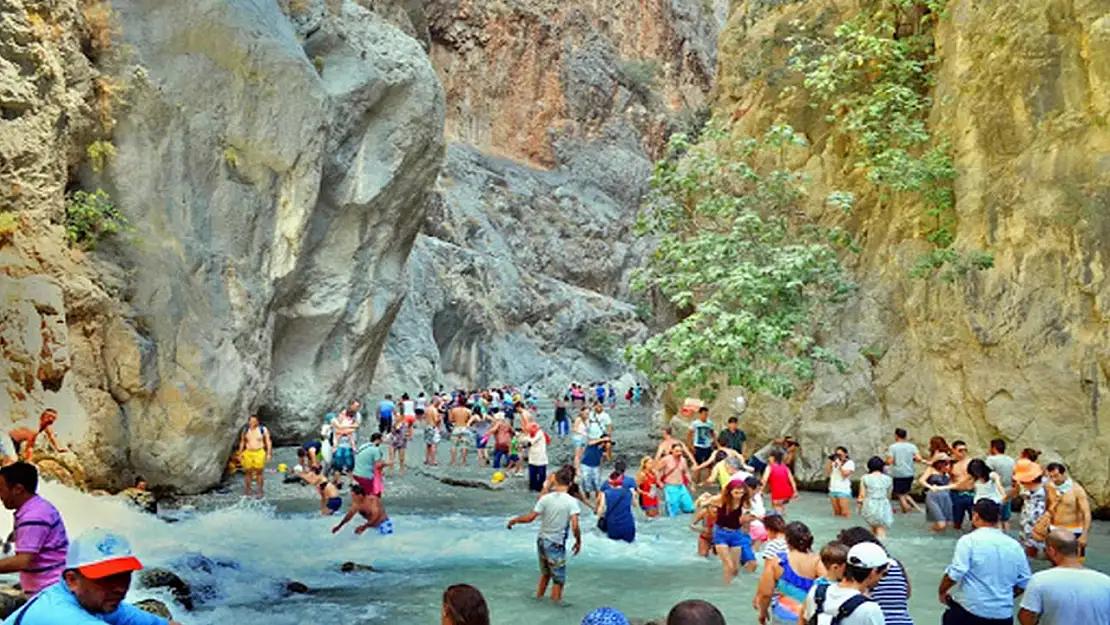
{"x": 847, "y": 599}
{"x": 1067, "y": 593}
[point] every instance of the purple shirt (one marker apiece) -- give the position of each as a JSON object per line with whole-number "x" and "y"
{"x": 39, "y": 530}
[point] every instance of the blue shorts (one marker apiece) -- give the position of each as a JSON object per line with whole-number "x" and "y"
{"x": 334, "y": 504}
{"x": 385, "y": 528}
{"x": 732, "y": 539}
{"x": 480, "y": 441}
{"x": 343, "y": 460}
{"x": 553, "y": 560}
{"x": 678, "y": 499}
{"x": 1007, "y": 511}
{"x": 591, "y": 479}
{"x": 839, "y": 495}
{"x": 579, "y": 440}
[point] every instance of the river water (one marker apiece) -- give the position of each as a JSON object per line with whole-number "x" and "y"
{"x": 447, "y": 535}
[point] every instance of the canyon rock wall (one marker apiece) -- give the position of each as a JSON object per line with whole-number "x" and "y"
{"x": 1020, "y": 351}
{"x": 275, "y": 167}
{"x": 555, "y": 112}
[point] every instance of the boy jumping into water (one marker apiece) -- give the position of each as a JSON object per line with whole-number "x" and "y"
{"x": 371, "y": 509}
{"x": 557, "y": 512}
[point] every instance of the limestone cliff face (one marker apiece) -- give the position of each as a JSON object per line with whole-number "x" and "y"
{"x": 555, "y": 111}
{"x": 275, "y": 166}
{"x": 1021, "y": 351}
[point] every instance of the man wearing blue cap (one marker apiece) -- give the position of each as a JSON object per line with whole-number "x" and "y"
{"x": 97, "y": 576}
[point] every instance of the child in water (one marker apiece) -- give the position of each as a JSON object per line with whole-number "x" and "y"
{"x": 330, "y": 501}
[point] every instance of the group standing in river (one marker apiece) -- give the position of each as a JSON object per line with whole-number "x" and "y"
{"x": 852, "y": 577}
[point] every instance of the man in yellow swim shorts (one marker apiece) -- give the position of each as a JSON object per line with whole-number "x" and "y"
{"x": 255, "y": 450}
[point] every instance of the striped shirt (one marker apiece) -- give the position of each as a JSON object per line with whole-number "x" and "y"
{"x": 39, "y": 530}
{"x": 892, "y": 593}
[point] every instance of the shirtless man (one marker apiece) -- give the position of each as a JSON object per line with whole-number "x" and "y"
{"x": 461, "y": 438}
{"x": 675, "y": 474}
{"x": 255, "y": 450}
{"x": 432, "y": 421}
{"x": 27, "y": 437}
{"x": 1067, "y": 502}
{"x": 330, "y": 501}
{"x": 371, "y": 509}
{"x": 664, "y": 449}
{"x": 963, "y": 486}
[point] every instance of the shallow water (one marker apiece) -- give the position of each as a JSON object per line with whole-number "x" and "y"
{"x": 448, "y": 535}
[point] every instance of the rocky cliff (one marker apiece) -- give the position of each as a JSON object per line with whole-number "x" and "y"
{"x": 1020, "y": 351}
{"x": 274, "y": 160}
{"x": 555, "y": 112}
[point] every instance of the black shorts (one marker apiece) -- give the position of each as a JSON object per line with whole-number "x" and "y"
{"x": 902, "y": 485}
{"x": 701, "y": 454}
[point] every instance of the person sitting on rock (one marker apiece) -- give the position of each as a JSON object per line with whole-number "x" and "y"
{"x": 371, "y": 509}
{"x": 26, "y": 436}
{"x": 97, "y": 576}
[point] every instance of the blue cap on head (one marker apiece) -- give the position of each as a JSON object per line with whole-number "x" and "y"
{"x": 605, "y": 616}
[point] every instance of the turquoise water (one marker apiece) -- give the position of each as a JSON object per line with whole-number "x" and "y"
{"x": 448, "y": 535}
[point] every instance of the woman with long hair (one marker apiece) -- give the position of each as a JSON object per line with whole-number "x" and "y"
{"x": 988, "y": 484}
{"x": 464, "y": 605}
{"x": 937, "y": 446}
{"x": 647, "y": 485}
{"x": 730, "y": 540}
{"x": 786, "y": 581}
{"x": 937, "y": 481}
{"x": 780, "y": 480}
{"x": 578, "y": 434}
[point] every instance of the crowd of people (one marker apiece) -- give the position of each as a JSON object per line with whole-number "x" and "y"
{"x": 738, "y": 502}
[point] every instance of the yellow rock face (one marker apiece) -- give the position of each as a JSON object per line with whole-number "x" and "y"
{"x": 1019, "y": 352}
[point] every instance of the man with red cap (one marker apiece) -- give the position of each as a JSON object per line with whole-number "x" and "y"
{"x": 97, "y": 576}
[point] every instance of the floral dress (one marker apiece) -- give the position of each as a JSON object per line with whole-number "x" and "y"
{"x": 1032, "y": 510}
{"x": 876, "y": 506}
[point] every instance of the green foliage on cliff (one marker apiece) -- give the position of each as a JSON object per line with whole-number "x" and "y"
{"x": 640, "y": 77}
{"x": 90, "y": 217}
{"x": 752, "y": 284}
{"x": 601, "y": 343}
{"x": 873, "y": 76}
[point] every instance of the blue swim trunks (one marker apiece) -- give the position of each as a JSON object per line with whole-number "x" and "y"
{"x": 334, "y": 504}
{"x": 735, "y": 538}
{"x": 553, "y": 560}
{"x": 385, "y": 528}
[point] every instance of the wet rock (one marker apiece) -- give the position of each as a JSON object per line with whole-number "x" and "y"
{"x": 463, "y": 482}
{"x": 11, "y": 599}
{"x": 296, "y": 588}
{"x": 141, "y": 499}
{"x": 163, "y": 578}
{"x": 354, "y": 567}
{"x": 155, "y": 607}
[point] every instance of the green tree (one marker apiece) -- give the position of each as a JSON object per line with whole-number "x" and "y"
{"x": 752, "y": 280}
{"x": 92, "y": 216}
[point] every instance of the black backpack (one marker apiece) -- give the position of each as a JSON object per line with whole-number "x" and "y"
{"x": 844, "y": 611}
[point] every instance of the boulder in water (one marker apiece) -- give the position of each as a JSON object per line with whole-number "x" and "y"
{"x": 142, "y": 499}
{"x": 296, "y": 588}
{"x": 354, "y": 567}
{"x": 11, "y": 599}
{"x": 155, "y": 607}
{"x": 162, "y": 578}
